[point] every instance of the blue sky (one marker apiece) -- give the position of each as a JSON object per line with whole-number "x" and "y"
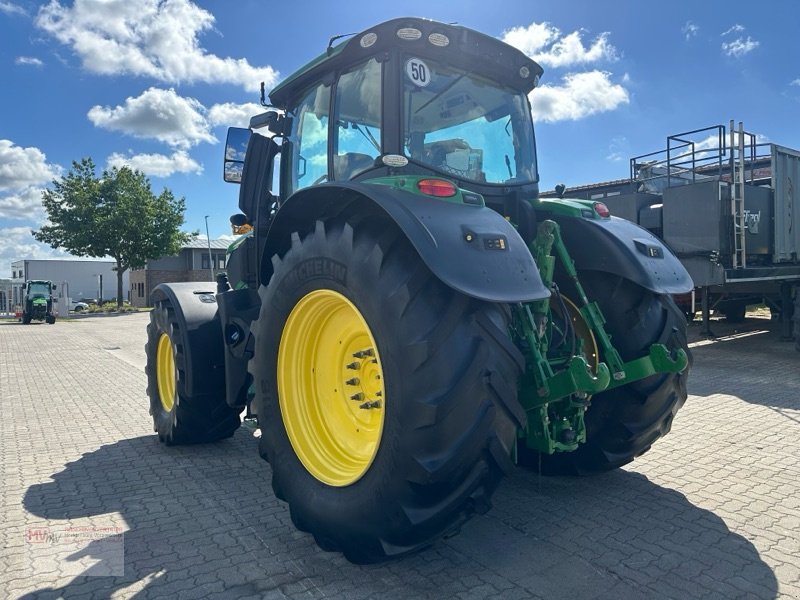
{"x": 155, "y": 84}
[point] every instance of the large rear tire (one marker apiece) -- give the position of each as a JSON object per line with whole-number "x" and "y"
{"x": 623, "y": 423}
{"x": 180, "y": 418}
{"x": 387, "y": 401}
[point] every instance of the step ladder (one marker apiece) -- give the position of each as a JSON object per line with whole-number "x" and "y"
{"x": 739, "y": 259}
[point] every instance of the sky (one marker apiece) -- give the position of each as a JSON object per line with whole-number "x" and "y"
{"x": 154, "y": 84}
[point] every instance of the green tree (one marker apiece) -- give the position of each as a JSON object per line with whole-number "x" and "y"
{"x": 114, "y": 215}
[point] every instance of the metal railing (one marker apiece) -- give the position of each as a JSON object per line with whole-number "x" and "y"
{"x": 697, "y": 155}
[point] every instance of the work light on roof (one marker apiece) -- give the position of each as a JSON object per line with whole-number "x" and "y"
{"x": 394, "y": 160}
{"x": 409, "y": 33}
{"x": 368, "y": 39}
{"x": 524, "y": 72}
{"x": 439, "y": 39}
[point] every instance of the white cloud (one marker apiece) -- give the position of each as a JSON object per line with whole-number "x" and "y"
{"x": 23, "y": 167}
{"x": 10, "y": 8}
{"x": 25, "y": 204}
{"x": 158, "y": 114}
{"x": 151, "y": 38}
{"x": 17, "y": 243}
{"x": 233, "y": 115}
{"x": 739, "y": 47}
{"x": 580, "y": 95}
{"x": 28, "y": 60}
{"x": 734, "y": 29}
{"x": 712, "y": 142}
{"x": 795, "y": 82}
{"x": 690, "y": 30}
{"x": 546, "y": 45}
{"x": 157, "y": 165}
{"x": 619, "y": 149}
{"x": 23, "y": 174}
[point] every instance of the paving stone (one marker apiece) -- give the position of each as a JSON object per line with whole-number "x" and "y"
{"x": 711, "y": 511}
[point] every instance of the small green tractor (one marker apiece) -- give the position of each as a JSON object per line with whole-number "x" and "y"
{"x": 38, "y": 302}
{"x": 407, "y": 319}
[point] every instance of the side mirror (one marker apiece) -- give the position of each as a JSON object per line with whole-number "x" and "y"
{"x": 235, "y": 149}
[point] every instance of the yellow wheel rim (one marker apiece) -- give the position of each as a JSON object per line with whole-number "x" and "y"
{"x": 165, "y": 372}
{"x": 331, "y": 388}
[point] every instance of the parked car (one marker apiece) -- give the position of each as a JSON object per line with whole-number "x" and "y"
{"x": 78, "y": 306}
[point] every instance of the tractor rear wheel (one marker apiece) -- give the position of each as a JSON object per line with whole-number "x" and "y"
{"x": 180, "y": 418}
{"x": 387, "y": 401}
{"x": 624, "y": 422}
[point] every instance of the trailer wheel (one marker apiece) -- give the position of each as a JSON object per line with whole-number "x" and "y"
{"x": 735, "y": 311}
{"x": 623, "y": 423}
{"x": 179, "y": 418}
{"x": 387, "y": 401}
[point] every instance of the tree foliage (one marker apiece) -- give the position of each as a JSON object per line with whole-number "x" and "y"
{"x": 114, "y": 215}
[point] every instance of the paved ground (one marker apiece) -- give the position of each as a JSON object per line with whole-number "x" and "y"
{"x": 713, "y": 511}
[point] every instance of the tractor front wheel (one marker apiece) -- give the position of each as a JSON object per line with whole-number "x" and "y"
{"x": 387, "y": 401}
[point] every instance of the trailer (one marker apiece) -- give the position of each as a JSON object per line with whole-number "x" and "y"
{"x": 729, "y": 208}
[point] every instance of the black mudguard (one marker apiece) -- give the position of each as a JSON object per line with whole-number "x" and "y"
{"x": 471, "y": 249}
{"x": 195, "y": 306}
{"x": 623, "y": 248}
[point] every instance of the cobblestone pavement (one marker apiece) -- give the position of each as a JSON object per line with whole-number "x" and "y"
{"x": 712, "y": 511}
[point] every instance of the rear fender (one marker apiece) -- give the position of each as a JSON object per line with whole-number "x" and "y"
{"x": 471, "y": 249}
{"x": 622, "y": 248}
{"x": 195, "y": 307}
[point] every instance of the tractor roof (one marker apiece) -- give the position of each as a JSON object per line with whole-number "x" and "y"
{"x": 464, "y": 47}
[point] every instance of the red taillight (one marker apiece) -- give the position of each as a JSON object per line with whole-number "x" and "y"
{"x": 437, "y": 187}
{"x": 602, "y": 210}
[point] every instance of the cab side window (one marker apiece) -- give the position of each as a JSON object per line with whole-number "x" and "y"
{"x": 310, "y": 139}
{"x": 358, "y": 120}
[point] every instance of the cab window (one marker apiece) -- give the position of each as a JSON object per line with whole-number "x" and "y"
{"x": 358, "y": 120}
{"x": 310, "y": 139}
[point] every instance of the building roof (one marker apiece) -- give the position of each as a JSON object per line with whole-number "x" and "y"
{"x": 202, "y": 244}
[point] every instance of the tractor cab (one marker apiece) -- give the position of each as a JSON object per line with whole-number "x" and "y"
{"x": 408, "y": 97}
{"x": 38, "y": 290}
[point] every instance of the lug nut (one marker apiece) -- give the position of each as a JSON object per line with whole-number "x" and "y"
{"x": 358, "y": 396}
{"x": 353, "y": 381}
{"x": 370, "y": 405}
{"x": 353, "y": 366}
{"x": 364, "y": 353}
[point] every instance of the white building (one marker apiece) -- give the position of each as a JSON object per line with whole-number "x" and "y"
{"x": 74, "y": 279}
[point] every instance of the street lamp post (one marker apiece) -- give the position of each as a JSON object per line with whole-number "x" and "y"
{"x": 210, "y": 261}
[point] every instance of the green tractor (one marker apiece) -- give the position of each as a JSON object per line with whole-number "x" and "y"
{"x": 406, "y": 317}
{"x": 38, "y": 302}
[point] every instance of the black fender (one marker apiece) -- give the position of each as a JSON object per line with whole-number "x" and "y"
{"x": 471, "y": 249}
{"x": 195, "y": 307}
{"x": 622, "y": 248}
